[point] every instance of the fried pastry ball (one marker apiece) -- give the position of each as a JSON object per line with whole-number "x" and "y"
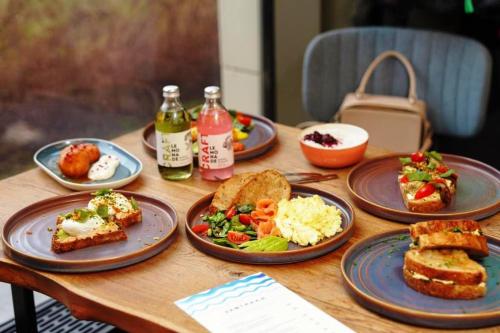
{"x": 74, "y": 162}
{"x": 92, "y": 150}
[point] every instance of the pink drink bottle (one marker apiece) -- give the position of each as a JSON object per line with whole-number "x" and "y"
{"x": 215, "y": 138}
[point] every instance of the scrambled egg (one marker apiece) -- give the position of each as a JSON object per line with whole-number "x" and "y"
{"x": 307, "y": 220}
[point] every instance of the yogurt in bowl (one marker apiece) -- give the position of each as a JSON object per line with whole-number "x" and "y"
{"x": 347, "y": 147}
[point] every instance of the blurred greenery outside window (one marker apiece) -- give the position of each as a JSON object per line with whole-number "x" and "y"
{"x": 73, "y": 68}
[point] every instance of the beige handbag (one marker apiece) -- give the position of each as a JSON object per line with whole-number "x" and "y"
{"x": 396, "y": 123}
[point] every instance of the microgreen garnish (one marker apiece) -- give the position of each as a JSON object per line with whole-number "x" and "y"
{"x": 447, "y": 173}
{"x": 102, "y": 192}
{"x": 102, "y": 211}
{"x": 418, "y": 176}
{"x": 134, "y": 204}
{"x": 405, "y": 160}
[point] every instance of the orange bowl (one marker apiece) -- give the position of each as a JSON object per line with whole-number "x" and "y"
{"x": 353, "y": 141}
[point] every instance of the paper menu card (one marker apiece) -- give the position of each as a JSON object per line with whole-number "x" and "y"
{"x": 257, "y": 303}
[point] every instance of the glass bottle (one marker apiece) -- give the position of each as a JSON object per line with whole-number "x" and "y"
{"x": 173, "y": 137}
{"x": 215, "y": 138}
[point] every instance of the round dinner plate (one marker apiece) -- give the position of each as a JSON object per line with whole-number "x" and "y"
{"x": 295, "y": 252}
{"x": 373, "y": 274}
{"x": 374, "y": 187}
{"x": 262, "y": 138}
{"x": 129, "y": 169}
{"x": 28, "y": 233}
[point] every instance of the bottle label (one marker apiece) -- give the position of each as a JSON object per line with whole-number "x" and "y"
{"x": 174, "y": 149}
{"x": 215, "y": 151}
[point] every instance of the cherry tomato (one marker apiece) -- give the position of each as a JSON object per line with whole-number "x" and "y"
{"x": 237, "y": 237}
{"x": 244, "y": 120}
{"x": 246, "y": 219}
{"x": 404, "y": 179}
{"x": 441, "y": 169}
{"x": 425, "y": 191}
{"x": 238, "y": 146}
{"x": 200, "y": 228}
{"x": 417, "y": 157}
{"x": 231, "y": 212}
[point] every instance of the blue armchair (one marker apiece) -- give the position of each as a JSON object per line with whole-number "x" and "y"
{"x": 453, "y": 73}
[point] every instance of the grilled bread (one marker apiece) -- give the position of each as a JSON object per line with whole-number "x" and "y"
{"x": 83, "y": 228}
{"x": 268, "y": 184}
{"x": 450, "y": 234}
{"x": 227, "y": 191}
{"x": 444, "y": 273}
{"x": 247, "y": 188}
{"x": 116, "y": 207}
{"x": 426, "y": 183}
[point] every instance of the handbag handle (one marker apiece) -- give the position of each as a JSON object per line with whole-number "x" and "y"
{"x": 412, "y": 93}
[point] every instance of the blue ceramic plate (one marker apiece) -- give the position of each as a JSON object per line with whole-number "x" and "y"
{"x": 130, "y": 166}
{"x": 373, "y": 275}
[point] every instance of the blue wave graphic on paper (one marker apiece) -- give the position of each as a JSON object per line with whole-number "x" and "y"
{"x": 229, "y": 290}
{"x": 231, "y": 297}
{"x": 224, "y": 286}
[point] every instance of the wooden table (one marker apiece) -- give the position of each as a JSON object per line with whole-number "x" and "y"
{"x": 141, "y": 298}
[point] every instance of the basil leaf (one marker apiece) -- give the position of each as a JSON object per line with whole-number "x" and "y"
{"x": 102, "y": 192}
{"x": 435, "y": 155}
{"x": 134, "y": 204}
{"x": 405, "y": 160}
{"x": 447, "y": 173}
{"x": 102, "y": 211}
{"x": 432, "y": 166}
{"x": 246, "y": 209}
{"x": 418, "y": 176}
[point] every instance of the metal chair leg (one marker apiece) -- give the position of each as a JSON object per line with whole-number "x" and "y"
{"x": 24, "y": 309}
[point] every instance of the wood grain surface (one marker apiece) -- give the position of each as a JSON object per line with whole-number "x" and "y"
{"x": 140, "y": 298}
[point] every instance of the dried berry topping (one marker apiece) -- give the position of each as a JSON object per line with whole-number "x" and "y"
{"x": 322, "y": 139}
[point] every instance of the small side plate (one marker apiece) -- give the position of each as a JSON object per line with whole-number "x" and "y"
{"x": 130, "y": 166}
{"x": 27, "y": 236}
{"x": 373, "y": 274}
{"x": 295, "y": 253}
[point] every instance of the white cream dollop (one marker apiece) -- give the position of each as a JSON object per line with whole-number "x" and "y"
{"x": 104, "y": 168}
{"x": 75, "y": 228}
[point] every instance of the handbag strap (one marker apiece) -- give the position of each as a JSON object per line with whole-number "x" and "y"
{"x": 412, "y": 92}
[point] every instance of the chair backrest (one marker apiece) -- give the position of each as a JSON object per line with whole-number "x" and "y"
{"x": 453, "y": 73}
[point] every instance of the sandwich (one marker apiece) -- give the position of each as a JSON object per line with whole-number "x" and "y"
{"x": 426, "y": 183}
{"x": 463, "y": 235}
{"x": 116, "y": 207}
{"x": 83, "y": 228}
{"x": 447, "y": 274}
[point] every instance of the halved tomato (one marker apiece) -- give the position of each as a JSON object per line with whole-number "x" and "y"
{"x": 244, "y": 120}
{"x": 425, "y": 191}
{"x": 237, "y": 237}
{"x": 200, "y": 228}
{"x": 417, "y": 157}
{"x": 245, "y": 219}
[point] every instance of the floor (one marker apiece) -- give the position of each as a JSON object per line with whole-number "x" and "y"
{"x": 6, "y": 309}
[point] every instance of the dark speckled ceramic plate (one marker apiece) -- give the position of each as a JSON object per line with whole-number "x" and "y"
{"x": 27, "y": 236}
{"x": 373, "y": 187}
{"x": 373, "y": 274}
{"x": 261, "y": 138}
{"x": 295, "y": 252}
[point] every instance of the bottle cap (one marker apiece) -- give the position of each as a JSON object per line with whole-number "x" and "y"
{"x": 212, "y": 92}
{"x": 171, "y": 91}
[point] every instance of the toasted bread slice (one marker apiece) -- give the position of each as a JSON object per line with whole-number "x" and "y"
{"x": 444, "y": 273}
{"x": 428, "y": 204}
{"x": 268, "y": 184}
{"x": 453, "y": 234}
{"x": 227, "y": 191}
{"x": 129, "y": 218}
{"x": 110, "y": 232}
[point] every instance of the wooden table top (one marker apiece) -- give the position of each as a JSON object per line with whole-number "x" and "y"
{"x": 141, "y": 297}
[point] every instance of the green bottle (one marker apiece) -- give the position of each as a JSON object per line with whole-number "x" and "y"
{"x": 174, "y": 152}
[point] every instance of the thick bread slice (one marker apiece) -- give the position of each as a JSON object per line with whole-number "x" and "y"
{"x": 425, "y": 205}
{"x": 445, "y": 265}
{"x": 449, "y": 291}
{"x": 429, "y": 227}
{"x": 474, "y": 245}
{"x": 227, "y": 191}
{"x": 113, "y": 232}
{"x": 129, "y": 218}
{"x": 268, "y": 184}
